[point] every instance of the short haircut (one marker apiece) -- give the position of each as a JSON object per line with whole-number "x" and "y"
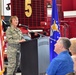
{"x": 66, "y": 42}
{"x": 10, "y": 20}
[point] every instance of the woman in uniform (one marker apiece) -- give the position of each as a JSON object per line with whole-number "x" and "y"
{"x": 14, "y": 37}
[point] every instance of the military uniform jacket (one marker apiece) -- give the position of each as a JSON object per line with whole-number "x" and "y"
{"x": 13, "y": 36}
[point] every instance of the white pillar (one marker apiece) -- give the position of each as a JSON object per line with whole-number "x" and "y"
{"x": 3, "y": 10}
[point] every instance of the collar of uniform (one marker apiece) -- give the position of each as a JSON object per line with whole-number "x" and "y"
{"x": 13, "y": 28}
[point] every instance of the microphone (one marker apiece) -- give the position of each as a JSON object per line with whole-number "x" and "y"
{"x": 42, "y": 35}
{"x": 23, "y": 26}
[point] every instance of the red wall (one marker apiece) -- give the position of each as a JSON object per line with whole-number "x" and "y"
{"x": 72, "y": 26}
{"x": 67, "y": 5}
{"x": 70, "y": 5}
{"x": 74, "y": 4}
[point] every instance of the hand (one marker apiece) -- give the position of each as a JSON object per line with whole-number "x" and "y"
{"x": 22, "y": 40}
{"x": 29, "y": 35}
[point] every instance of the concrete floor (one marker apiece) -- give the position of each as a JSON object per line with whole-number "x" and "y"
{"x": 18, "y": 73}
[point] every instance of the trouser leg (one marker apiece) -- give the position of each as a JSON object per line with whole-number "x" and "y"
{"x": 11, "y": 65}
{"x": 18, "y": 56}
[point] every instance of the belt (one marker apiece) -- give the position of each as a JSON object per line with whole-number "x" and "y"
{"x": 14, "y": 45}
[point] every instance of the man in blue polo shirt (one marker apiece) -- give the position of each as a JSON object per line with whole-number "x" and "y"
{"x": 63, "y": 63}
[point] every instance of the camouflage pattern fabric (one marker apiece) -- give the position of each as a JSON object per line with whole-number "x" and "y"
{"x": 13, "y": 36}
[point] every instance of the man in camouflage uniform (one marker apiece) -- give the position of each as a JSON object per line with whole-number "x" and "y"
{"x": 14, "y": 37}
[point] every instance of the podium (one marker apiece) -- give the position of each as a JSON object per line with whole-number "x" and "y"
{"x": 35, "y": 56}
